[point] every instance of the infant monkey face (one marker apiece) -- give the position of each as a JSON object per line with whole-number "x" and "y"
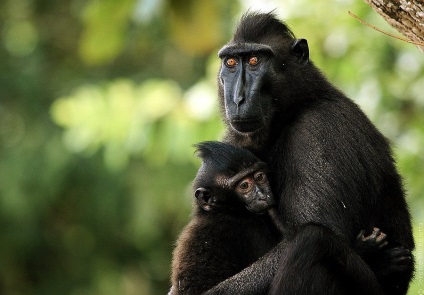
{"x": 254, "y": 191}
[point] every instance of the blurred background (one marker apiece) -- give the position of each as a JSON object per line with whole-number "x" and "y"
{"x": 101, "y": 102}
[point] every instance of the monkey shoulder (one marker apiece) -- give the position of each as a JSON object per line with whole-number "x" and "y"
{"x": 337, "y": 125}
{"x": 332, "y": 149}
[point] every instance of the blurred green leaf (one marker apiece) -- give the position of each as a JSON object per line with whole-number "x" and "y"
{"x": 105, "y": 24}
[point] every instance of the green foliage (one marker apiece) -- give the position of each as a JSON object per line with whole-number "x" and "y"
{"x": 101, "y": 102}
{"x": 105, "y": 23}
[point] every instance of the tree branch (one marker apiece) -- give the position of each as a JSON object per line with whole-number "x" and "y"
{"x": 407, "y": 16}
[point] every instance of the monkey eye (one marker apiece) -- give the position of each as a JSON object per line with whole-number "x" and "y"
{"x": 253, "y": 60}
{"x": 260, "y": 177}
{"x": 244, "y": 186}
{"x": 231, "y": 62}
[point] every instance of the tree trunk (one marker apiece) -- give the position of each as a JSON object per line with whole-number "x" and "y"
{"x": 407, "y": 16}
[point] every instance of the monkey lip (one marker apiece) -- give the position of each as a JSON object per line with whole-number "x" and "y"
{"x": 246, "y": 126}
{"x": 259, "y": 207}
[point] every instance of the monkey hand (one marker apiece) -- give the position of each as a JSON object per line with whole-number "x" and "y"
{"x": 398, "y": 259}
{"x": 373, "y": 243}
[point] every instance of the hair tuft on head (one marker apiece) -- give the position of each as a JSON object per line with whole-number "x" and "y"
{"x": 223, "y": 157}
{"x": 254, "y": 26}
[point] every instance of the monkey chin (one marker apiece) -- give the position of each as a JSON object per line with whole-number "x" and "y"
{"x": 259, "y": 209}
{"x": 246, "y": 128}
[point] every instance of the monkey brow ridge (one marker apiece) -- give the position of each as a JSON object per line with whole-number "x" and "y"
{"x": 243, "y": 48}
{"x": 231, "y": 182}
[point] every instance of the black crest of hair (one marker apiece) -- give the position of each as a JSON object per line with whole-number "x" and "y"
{"x": 223, "y": 157}
{"x": 254, "y": 26}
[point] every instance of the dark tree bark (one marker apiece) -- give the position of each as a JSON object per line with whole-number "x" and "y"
{"x": 407, "y": 16}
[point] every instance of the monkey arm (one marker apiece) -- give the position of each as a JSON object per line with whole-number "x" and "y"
{"x": 318, "y": 259}
{"x": 255, "y": 279}
{"x": 276, "y": 221}
{"x": 294, "y": 264}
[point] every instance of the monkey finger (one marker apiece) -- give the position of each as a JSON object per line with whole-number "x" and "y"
{"x": 383, "y": 244}
{"x": 381, "y": 237}
{"x": 375, "y": 232}
{"x": 400, "y": 252}
{"x": 361, "y": 235}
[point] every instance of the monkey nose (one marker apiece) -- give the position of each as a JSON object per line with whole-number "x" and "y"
{"x": 238, "y": 100}
{"x": 239, "y": 93}
{"x": 262, "y": 197}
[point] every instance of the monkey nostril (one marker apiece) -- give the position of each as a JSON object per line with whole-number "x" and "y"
{"x": 262, "y": 197}
{"x": 239, "y": 100}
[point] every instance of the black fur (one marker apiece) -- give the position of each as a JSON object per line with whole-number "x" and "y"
{"x": 331, "y": 170}
{"x": 223, "y": 159}
{"x": 220, "y": 242}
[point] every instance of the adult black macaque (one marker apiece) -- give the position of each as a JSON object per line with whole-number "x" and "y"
{"x": 225, "y": 234}
{"x": 330, "y": 169}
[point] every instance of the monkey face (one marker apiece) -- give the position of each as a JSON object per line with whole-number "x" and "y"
{"x": 242, "y": 77}
{"x": 254, "y": 191}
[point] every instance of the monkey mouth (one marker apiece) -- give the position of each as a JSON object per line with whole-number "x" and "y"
{"x": 246, "y": 126}
{"x": 259, "y": 208}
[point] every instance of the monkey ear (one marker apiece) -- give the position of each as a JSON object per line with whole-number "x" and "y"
{"x": 301, "y": 50}
{"x": 204, "y": 198}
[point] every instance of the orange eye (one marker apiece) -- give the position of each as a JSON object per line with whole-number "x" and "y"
{"x": 245, "y": 186}
{"x": 231, "y": 62}
{"x": 253, "y": 60}
{"x": 260, "y": 177}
